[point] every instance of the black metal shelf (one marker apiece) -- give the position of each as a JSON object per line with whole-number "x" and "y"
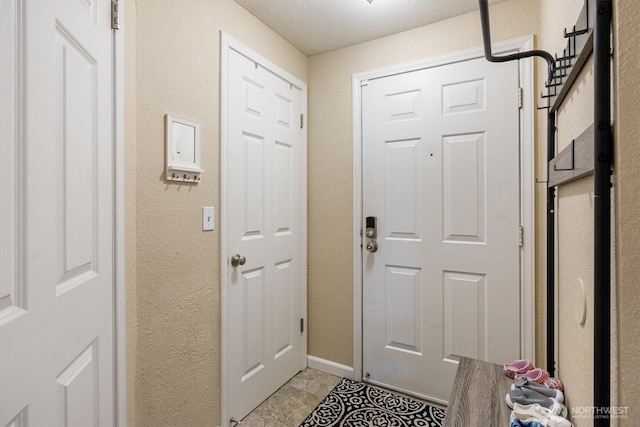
{"x": 578, "y": 49}
{"x": 591, "y": 152}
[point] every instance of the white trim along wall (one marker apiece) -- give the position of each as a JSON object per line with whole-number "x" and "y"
{"x": 120, "y": 336}
{"x": 527, "y": 181}
{"x": 330, "y": 367}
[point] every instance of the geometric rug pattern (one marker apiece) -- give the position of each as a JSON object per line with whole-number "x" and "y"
{"x": 353, "y": 404}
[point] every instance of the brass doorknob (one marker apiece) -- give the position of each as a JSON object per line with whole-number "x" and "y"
{"x": 237, "y": 260}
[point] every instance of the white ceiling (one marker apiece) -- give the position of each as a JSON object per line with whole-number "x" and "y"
{"x": 315, "y": 26}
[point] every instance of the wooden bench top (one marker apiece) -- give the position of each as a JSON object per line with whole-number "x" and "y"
{"x": 477, "y": 397}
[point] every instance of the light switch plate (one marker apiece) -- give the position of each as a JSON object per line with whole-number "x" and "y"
{"x": 208, "y": 219}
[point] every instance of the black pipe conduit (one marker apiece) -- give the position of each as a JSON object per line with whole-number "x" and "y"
{"x": 486, "y": 39}
{"x": 551, "y": 132}
{"x": 603, "y": 153}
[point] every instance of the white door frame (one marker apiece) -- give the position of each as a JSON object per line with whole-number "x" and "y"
{"x": 119, "y": 295}
{"x": 229, "y": 43}
{"x": 527, "y": 199}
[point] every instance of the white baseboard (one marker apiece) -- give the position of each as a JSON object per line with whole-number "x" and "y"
{"x": 330, "y": 367}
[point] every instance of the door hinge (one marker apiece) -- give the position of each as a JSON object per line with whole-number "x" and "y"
{"x": 115, "y": 15}
{"x": 519, "y": 96}
{"x": 301, "y": 121}
{"x": 301, "y": 325}
{"x": 520, "y": 236}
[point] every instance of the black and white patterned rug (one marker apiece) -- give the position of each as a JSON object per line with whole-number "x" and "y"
{"x": 352, "y": 404}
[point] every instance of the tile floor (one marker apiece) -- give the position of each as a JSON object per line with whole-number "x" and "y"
{"x": 291, "y": 404}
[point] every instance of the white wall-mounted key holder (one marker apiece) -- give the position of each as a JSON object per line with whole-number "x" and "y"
{"x": 182, "y": 137}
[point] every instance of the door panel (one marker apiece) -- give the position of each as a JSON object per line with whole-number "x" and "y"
{"x": 265, "y": 216}
{"x": 284, "y": 191}
{"x": 403, "y": 186}
{"x": 80, "y": 382}
{"x": 441, "y": 174}
{"x": 76, "y": 168}
{"x": 403, "y": 310}
{"x": 13, "y": 289}
{"x": 465, "y": 315}
{"x": 253, "y": 283}
{"x": 464, "y": 189}
{"x": 56, "y": 313}
{"x": 254, "y": 186}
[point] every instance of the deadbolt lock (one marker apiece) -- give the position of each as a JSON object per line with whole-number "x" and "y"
{"x": 371, "y": 233}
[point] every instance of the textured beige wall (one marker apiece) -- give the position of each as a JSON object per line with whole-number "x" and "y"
{"x": 627, "y": 195}
{"x": 330, "y": 156}
{"x": 574, "y": 220}
{"x": 554, "y": 17}
{"x": 129, "y": 22}
{"x": 575, "y": 256}
{"x": 177, "y": 378}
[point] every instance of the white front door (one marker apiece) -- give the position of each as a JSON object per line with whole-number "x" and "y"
{"x": 441, "y": 156}
{"x": 265, "y": 226}
{"x": 56, "y": 214}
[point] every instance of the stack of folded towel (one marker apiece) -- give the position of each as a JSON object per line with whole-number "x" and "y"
{"x": 536, "y": 398}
